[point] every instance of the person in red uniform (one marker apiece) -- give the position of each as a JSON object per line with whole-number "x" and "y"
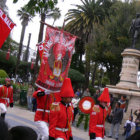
{"x": 97, "y": 117}
{"x": 44, "y": 101}
{"x": 61, "y": 114}
{"x": 6, "y": 97}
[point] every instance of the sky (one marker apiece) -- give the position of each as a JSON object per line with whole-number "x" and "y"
{"x": 33, "y": 26}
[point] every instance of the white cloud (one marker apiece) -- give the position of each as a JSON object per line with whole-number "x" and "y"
{"x": 33, "y": 26}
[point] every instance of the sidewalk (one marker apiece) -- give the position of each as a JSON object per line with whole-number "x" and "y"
{"x": 21, "y": 116}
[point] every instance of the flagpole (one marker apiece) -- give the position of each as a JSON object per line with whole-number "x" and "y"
{"x": 59, "y": 29}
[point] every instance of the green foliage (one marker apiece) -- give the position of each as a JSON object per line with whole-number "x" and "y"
{"x": 77, "y": 64}
{"x": 3, "y": 74}
{"x": 7, "y": 65}
{"x": 76, "y": 76}
{"x": 91, "y": 89}
{"x": 2, "y": 81}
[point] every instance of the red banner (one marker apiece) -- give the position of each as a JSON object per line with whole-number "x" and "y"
{"x": 56, "y": 59}
{"x": 6, "y": 25}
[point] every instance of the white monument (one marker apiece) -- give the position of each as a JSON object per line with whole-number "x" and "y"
{"x": 128, "y": 80}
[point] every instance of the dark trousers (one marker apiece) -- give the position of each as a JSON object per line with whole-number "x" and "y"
{"x": 75, "y": 112}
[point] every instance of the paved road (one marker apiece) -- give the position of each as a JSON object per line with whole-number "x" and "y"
{"x": 19, "y": 116}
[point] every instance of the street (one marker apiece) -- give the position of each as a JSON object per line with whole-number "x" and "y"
{"x": 20, "y": 116}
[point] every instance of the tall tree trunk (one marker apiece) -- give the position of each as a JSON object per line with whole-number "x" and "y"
{"x": 20, "y": 47}
{"x": 87, "y": 69}
{"x": 94, "y": 74}
{"x": 27, "y": 50}
{"x": 40, "y": 37}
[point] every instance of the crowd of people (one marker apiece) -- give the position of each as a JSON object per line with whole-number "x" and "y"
{"x": 54, "y": 113}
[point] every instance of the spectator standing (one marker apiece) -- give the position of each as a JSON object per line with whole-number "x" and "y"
{"x": 6, "y": 97}
{"x": 78, "y": 93}
{"x": 117, "y": 114}
{"x": 86, "y": 93}
{"x": 29, "y": 96}
{"x": 129, "y": 124}
{"x": 122, "y": 102}
{"x": 97, "y": 94}
{"x": 137, "y": 121}
{"x": 75, "y": 102}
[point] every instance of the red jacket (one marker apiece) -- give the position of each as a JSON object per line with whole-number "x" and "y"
{"x": 6, "y": 95}
{"x": 60, "y": 118}
{"x": 43, "y": 105}
{"x": 97, "y": 121}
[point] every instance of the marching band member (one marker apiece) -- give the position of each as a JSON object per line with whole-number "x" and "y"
{"x": 6, "y": 97}
{"x": 61, "y": 114}
{"x": 97, "y": 117}
{"x": 44, "y": 101}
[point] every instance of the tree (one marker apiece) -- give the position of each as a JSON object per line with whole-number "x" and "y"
{"x": 80, "y": 22}
{"x": 25, "y": 17}
{"x": 44, "y": 9}
{"x": 55, "y": 14}
{"x": 111, "y": 38}
{"x": 27, "y": 50}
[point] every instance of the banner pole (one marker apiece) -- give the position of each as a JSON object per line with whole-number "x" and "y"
{"x": 59, "y": 29}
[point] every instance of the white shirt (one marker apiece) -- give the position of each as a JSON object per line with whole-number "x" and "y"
{"x": 75, "y": 102}
{"x": 132, "y": 124}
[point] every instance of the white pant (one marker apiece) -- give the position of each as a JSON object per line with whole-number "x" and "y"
{"x": 43, "y": 130}
{"x": 59, "y": 139}
{"x": 97, "y": 138}
{"x": 3, "y": 108}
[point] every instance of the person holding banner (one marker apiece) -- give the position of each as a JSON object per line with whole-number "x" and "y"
{"x": 97, "y": 117}
{"x": 44, "y": 101}
{"x": 6, "y": 97}
{"x": 61, "y": 114}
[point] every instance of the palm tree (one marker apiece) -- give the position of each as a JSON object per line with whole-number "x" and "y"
{"x": 44, "y": 9}
{"x": 25, "y": 17}
{"x": 56, "y": 14}
{"x": 81, "y": 21}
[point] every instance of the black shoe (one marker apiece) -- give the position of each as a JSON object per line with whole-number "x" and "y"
{"x": 116, "y": 138}
{"x": 109, "y": 136}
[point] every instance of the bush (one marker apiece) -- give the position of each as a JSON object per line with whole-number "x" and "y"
{"x": 2, "y": 81}
{"x": 3, "y": 74}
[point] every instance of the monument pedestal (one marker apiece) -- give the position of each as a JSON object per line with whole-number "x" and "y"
{"x": 128, "y": 77}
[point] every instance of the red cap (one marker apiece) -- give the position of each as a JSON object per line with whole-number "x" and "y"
{"x": 104, "y": 96}
{"x": 66, "y": 89}
{"x": 7, "y": 79}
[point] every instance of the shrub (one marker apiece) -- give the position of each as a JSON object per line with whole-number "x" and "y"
{"x": 3, "y": 74}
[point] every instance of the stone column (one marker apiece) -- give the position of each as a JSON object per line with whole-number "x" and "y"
{"x": 130, "y": 67}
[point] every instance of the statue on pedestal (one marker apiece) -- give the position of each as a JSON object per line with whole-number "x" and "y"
{"x": 134, "y": 30}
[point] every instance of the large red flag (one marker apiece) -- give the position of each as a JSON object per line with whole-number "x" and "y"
{"x": 6, "y": 25}
{"x": 56, "y": 59}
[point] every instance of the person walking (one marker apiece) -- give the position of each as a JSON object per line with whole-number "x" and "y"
{"x": 61, "y": 114}
{"x": 44, "y": 100}
{"x": 29, "y": 96}
{"x": 97, "y": 117}
{"x": 75, "y": 102}
{"x": 129, "y": 124}
{"x": 6, "y": 97}
{"x": 117, "y": 114}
